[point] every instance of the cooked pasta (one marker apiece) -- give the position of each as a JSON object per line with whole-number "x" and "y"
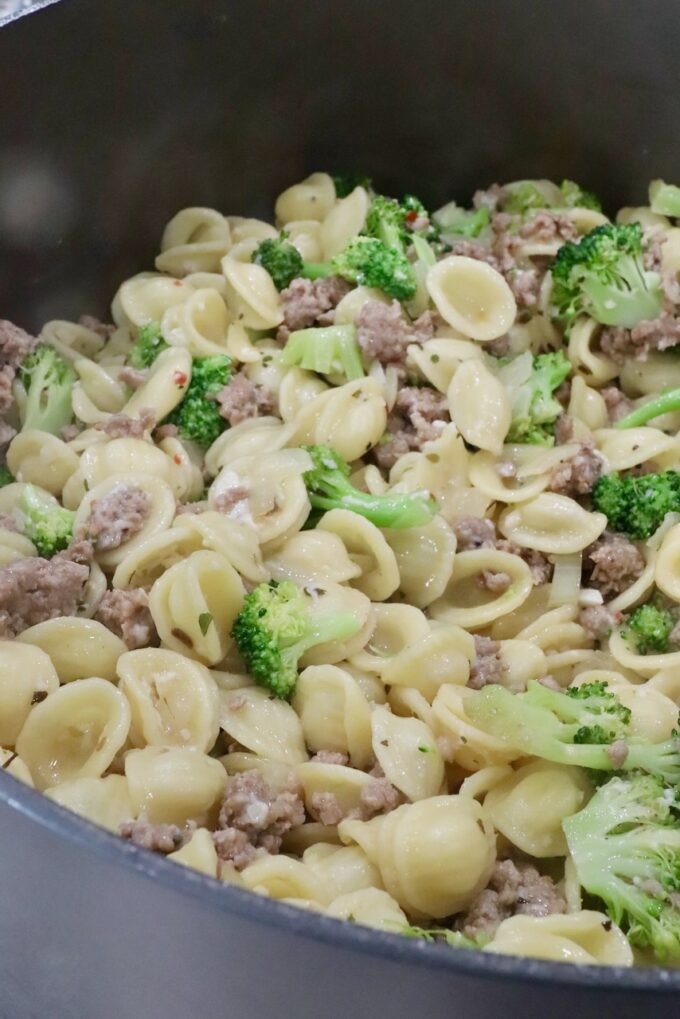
{"x": 343, "y": 565}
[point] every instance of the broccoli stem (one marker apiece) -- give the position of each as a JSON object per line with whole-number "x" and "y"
{"x": 397, "y": 511}
{"x": 663, "y": 404}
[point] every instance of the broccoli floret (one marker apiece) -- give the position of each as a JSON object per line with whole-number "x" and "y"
{"x": 576, "y": 727}
{"x": 636, "y": 506}
{"x": 456, "y": 222}
{"x": 331, "y": 350}
{"x": 5, "y": 476}
{"x": 147, "y": 347}
{"x": 625, "y": 845}
{"x": 525, "y": 196}
{"x": 603, "y": 276}
{"x": 534, "y": 408}
{"x": 329, "y": 487}
{"x": 664, "y": 199}
{"x": 576, "y": 197}
{"x": 665, "y": 403}
{"x": 276, "y": 626}
{"x": 45, "y": 523}
{"x": 417, "y": 220}
{"x": 280, "y": 258}
{"x": 455, "y": 939}
{"x": 197, "y": 417}
{"x": 649, "y": 626}
{"x": 48, "y": 380}
{"x": 345, "y": 183}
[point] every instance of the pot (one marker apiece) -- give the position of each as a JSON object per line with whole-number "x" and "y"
{"x": 116, "y": 115}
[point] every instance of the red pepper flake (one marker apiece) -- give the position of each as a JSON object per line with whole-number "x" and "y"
{"x": 177, "y": 458}
{"x": 411, "y": 216}
{"x": 180, "y": 378}
{"x": 177, "y": 283}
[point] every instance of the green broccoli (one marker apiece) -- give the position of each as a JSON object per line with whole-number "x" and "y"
{"x": 534, "y": 408}
{"x": 345, "y": 183}
{"x": 275, "y": 627}
{"x": 453, "y": 221}
{"x": 198, "y": 417}
{"x": 602, "y": 275}
{"x": 665, "y": 403}
{"x": 634, "y": 505}
{"x": 664, "y": 199}
{"x": 331, "y": 350}
{"x": 625, "y": 846}
{"x": 44, "y": 522}
{"x": 417, "y": 220}
{"x": 576, "y": 197}
{"x": 148, "y": 345}
{"x": 577, "y": 726}
{"x": 329, "y": 487}
{"x": 437, "y": 935}
{"x": 5, "y": 476}
{"x": 48, "y": 380}
{"x": 649, "y": 627}
{"x": 523, "y": 197}
{"x": 282, "y": 260}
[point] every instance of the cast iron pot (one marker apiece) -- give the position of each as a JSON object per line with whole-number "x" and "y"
{"x": 117, "y": 113}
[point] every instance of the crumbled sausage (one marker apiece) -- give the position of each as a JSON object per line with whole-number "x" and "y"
{"x": 329, "y": 757}
{"x": 35, "y": 589}
{"x": 495, "y": 583}
{"x": 241, "y": 399}
{"x": 70, "y": 432}
{"x": 161, "y": 838}
{"x": 546, "y": 227}
{"x": 120, "y": 426}
{"x": 652, "y": 334}
{"x": 598, "y": 621}
{"x": 229, "y": 498}
{"x": 324, "y": 806}
{"x": 419, "y": 416}
{"x": 488, "y": 197}
{"x": 486, "y": 666}
{"x": 616, "y": 563}
{"x": 474, "y": 532}
{"x": 126, "y": 613}
{"x": 539, "y": 565}
{"x": 564, "y": 429}
{"x": 378, "y": 796}
{"x": 384, "y": 332}
{"x": 103, "y": 329}
{"x": 167, "y": 431}
{"x": 254, "y": 818}
{"x": 578, "y": 474}
{"x": 616, "y": 402}
{"x": 310, "y": 302}
{"x": 617, "y": 753}
{"x": 7, "y": 522}
{"x": 80, "y": 551}
{"x": 117, "y": 517}
{"x": 514, "y": 889}
{"x": 15, "y": 344}
{"x": 6, "y": 394}
{"x": 132, "y": 377}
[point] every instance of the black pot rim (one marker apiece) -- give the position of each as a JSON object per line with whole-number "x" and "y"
{"x": 228, "y": 899}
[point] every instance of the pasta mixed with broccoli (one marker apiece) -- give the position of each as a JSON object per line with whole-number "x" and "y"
{"x": 343, "y": 565}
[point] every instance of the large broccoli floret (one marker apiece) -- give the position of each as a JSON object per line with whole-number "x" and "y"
{"x": 649, "y": 627}
{"x": 625, "y": 846}
{"x": 328, "y": 350}
{"x": 48, "y": 380}
{"x": 345, "y": 183}
{"x": 636, "y": 506}
{"x": 44, "y": 522}
{"x": 148, "y": 345}
{"x": 329, "y": 487}
{"x": 534, "y": 408}
{"x": 578, "y": 726}
{"x": 603, "y": 276}
{"x": 197, "y": 417}
{"x": 274, "y": 629}
{"x": 5, "y": 476}
{"x": 664, "y": 199}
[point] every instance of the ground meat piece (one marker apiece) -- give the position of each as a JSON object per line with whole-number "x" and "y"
{"x": 80, "y": 551}
{"x": 539, "y": 564}
{"x": 506, "y": 469}
{"x": 162, "y": 838}
{"x": 254, "y": 818}
{"x": 546, "y": 227}
{"x": 35, "y": 589}
{"x": 384, "y": 332}
{"x": 378, "y": 796}
{"x": 425, "y": 408}
{"x": 617, "y": 753}
{"x": 473, "y": 249}
{"x": 103, "y": 329}
{"x": 326, "y": 808}
{"x": 514, "y": 889}
{"x": 7, "y": 522}
{"x": 599, "y": 621}
{"x": 117, "y": 517}
{"x": 329, "y": 757}
{"x": 525, "y": 285}
{"x": 15, "y": 344}
{"x": 227, "y": 500}
{"x": 305, "y": 301}
{"x": 7, "y": 433}
{"x": 549, "y": 682}
{"x": 486, "y": 666}
{"x": 488, "y": 198}
{"x": 126, "y": 613}
{"x": 498, "y": 347}
{"x": 474, "y": 532}
{"x": 495, "y": 583}
{"x": 165, "y": 432}
{"x": 617, "y": 403}
{"x": 578, "y": 474}
{"x": 652, "y": 334}
{"x": 653, "y": 241}
{"x": 616, "y": 563}
{"x": 6, "y": 394}
{"x": 132, "y": 377}
{"x": 70, "y": 432}
{"x": 120, "y": 426}
{"x": 241, "y": 399}
{"x": 396, "y": 441}
{"x": 564, "y": 429}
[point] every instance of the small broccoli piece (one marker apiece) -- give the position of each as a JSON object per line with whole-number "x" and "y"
{"x": 329, "y": 487}
{"x": 625, "y": 845}
{"x": 534, "y": 408}
{"x": 435, "y": 935}
{"x": 345, "y": 183}
{"x": 280, "y": 258}
{"x": 575, "y": 727}
{"x": 331, "y": 350}
{"x": 649, "y": 626}
{"x": 48, "y": 380}
{"x": 665, "y": 403}
{"x": 664, "y": 199}
{"x": 602, "y": 275}
{"x": 523, "y": 196}
{"x": 369, "y": 262}
{"x": 576, "y": 197}
{"x": 5, "y": 476}
{"x": 636, "y": 506}
{"x": 417, "y": 220}
{"x": 276, "y": 626}
{"x": 147, "y": 347}
{"x": 47, "y": 524}
{"x": 456, "y": 222}
{"x": 197, "y": 417}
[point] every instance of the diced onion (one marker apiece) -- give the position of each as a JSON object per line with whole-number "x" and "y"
{"x": 566, "y": 582}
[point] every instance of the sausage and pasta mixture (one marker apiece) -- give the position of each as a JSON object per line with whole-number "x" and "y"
{"x": 343, "y": 564}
